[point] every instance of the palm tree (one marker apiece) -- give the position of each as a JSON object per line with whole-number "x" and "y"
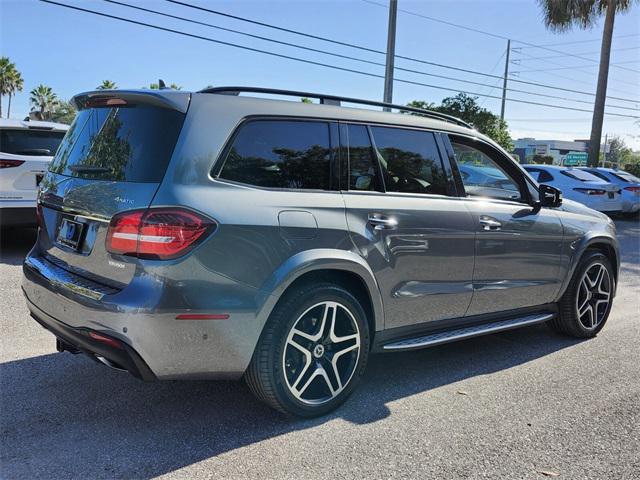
{"x": 560, "y": 16}
{"x": 8, "y": 79}
{"x": 43, "y": 101}
{"x": 107, "y": 85}
{"x": 16, "y": 83}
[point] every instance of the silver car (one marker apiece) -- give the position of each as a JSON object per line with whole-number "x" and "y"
{"x": 216, "y": 235}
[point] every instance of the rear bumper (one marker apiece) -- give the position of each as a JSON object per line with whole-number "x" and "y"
{"x": 77, "y": 338}
{"x": 18, "y": 216}
{"x": 143, "y": 317}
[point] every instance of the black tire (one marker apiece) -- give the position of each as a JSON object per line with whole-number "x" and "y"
{"x": 269, "y": 374}
{"x": 568, "y": 321}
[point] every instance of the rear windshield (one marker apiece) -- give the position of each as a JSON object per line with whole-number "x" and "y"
{"x": 130, "y": 143}
{"x": 625, "y": 176}
{"x": 30, "y": 142}
{"x": 581, "y": 175}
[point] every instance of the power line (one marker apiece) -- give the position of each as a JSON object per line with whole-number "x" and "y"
{"x": 590, "y": 73}
{"x": 349, "y": 57}
{"x": 310, "y": 62}
{"x": 380, "y": 52}
{"x": 586, "y": 41}
{"x": 575, "y": 67}
{"x": 585, "y": 53}
{"x": 464, "y": 27}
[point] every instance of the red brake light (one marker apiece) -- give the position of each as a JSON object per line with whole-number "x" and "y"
{"x": 632, "y": 189}
{"x": 6, "y": 163}
{"x": 590, "y": 191}
{"x": 160, "y": 234}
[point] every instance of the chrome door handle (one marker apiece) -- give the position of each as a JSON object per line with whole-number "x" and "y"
{"x": 382, "y": 222}
{"x": 489, "y": 223}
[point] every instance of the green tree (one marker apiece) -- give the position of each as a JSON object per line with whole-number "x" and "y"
{"x": 43, "y": 101}
{"x": 63, "y": 112}
{"x": 466, "y": 108}
{"x": 619, "y": 153}
{"x": 107, "y": 85}
{"x": 173, "y": 86}
{"x": 10, "y": 82}
{"x": 560, "y": 16}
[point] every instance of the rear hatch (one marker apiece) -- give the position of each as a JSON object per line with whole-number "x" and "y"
{"x": 25, "y": 153}
{"x": 112, "y": 159}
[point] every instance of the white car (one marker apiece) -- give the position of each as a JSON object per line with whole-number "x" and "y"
{"x": 629, "y": 184}
{"x": 579, "y": 185}
{"x": 26, "y": 148}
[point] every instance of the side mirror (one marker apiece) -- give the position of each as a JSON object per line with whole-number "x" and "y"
{"x": 549, "y": 196}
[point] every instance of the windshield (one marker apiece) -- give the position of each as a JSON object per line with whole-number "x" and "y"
{"x": 30, "y": 142}
{"x": 130, "y": 143}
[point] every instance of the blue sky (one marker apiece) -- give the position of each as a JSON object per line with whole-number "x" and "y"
{"x": 73, "y": 51}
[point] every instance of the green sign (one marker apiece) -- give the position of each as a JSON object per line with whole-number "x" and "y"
{"x": 576, "y": 158}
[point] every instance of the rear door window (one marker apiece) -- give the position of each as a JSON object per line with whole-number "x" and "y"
{"x": 293, "y": 154}
{"x": 580, "y": 175}
{"x": 410, "y": 161}
{"x": 131, "y": 143}
{"x": 363, "y": 171}
{"x": 30, "y": 141}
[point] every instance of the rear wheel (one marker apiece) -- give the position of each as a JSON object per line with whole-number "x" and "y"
{"x": 585, "y": 306}
{"x": 312, "y": 353}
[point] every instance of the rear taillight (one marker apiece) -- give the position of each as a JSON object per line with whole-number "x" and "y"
{"x": 157, "y": 233}
{"x": 590, "y": 191}
{"x": 6, "y": 163}
{"x": 633, "y": 189}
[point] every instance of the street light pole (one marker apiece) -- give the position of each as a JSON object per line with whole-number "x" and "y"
{"x": 504, "y": 81}
{"x": 391, "y": 53}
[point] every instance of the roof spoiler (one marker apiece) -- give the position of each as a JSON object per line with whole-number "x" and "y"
{"x": 170, "y": 99}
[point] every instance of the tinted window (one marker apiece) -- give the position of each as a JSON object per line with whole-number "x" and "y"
{"x": 599, "y": 175}
{"x": 363, "y": 173}
{"x": 482, "y": 176}
{"x": 127, "y": 144}
{"x": 580, "y": 175}
{"x": 541, "y": 176}
{"x": 30, "y": 142}
{"x": 280, "y": 154}
{"x": 626, "y": 177}
{"x": 410, "y": 161}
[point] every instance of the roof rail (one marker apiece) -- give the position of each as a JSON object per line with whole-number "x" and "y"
{"x": 335, "y": 100}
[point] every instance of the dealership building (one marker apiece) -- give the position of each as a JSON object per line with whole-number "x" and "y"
{"x": 563, "y": 152}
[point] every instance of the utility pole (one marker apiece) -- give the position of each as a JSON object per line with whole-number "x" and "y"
{"x": 504, "y": 82}
{"x": 391, "y": 53}
{"x": 604, "y": 154}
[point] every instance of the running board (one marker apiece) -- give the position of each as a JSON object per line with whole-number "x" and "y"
{"x": 467, "y": 332}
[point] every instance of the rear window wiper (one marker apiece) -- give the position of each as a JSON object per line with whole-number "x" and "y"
{"x": 88, "y": 169}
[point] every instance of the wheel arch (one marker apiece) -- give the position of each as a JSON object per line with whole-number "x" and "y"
{"x": 606, "y": 245}
{"x": 342, "y": 267}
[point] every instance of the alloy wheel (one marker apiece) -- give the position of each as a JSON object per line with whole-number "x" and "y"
{"x": 594, "y": 296}
{"x": 321, "y": 353}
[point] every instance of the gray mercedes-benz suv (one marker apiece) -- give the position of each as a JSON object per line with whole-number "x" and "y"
{"x": 219, "y": 235}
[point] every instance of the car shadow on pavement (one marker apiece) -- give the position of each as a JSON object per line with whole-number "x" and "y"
{"x": 65, "y": 416}
{"x": 15, "y": 243}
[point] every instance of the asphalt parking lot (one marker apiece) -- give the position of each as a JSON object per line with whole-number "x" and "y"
{"x": 510, "y": 405}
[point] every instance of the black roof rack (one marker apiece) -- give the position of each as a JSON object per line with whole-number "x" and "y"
{"x": 335, "y": 100}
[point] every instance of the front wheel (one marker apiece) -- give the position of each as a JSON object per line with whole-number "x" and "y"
{"x": 586, "y": 304}
{"x": 312, "y": 353}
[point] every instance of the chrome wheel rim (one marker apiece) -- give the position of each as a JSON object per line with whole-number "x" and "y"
{"x": 321, "y": 353}
{"x": 594, "y": 296}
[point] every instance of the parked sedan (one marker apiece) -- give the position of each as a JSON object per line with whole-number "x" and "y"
{"x": 579, "y": 185}
{"x": 629, "y": 184}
